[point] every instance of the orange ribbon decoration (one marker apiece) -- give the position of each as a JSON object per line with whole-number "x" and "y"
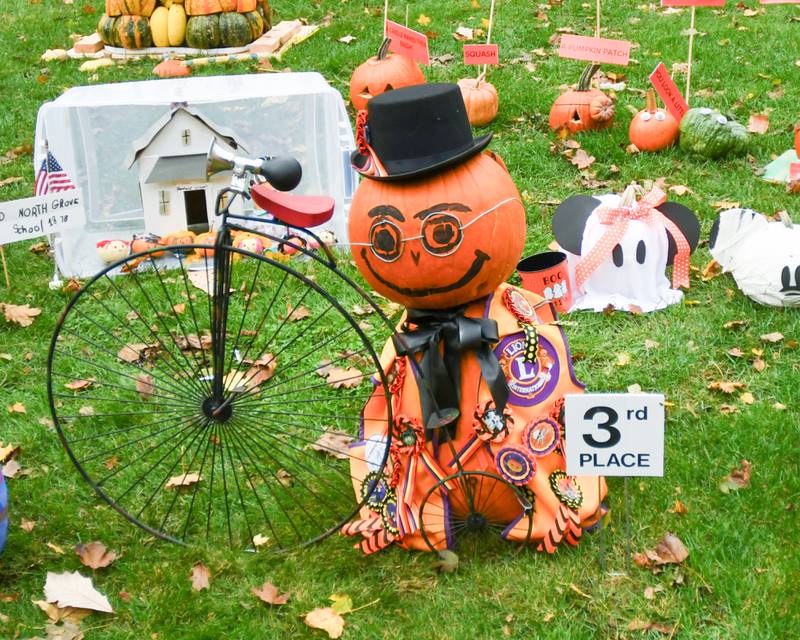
{"x": 372, "y": 166}
{"x": 618, "y": 218}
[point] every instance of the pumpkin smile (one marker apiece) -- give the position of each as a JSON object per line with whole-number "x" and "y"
{"x": 469, "y": 275}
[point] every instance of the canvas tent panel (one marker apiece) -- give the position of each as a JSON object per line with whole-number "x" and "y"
{"x": 91, "y": 131}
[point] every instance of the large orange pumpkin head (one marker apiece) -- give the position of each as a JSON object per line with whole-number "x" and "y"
{"x": 380, "y": 73}
{"x": 440, "y": 224}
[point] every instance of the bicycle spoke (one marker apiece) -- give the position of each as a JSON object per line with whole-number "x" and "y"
{"x": 162, "y": 346}
{"x": 175, "y": 315}
{"x": 124, "y": 323}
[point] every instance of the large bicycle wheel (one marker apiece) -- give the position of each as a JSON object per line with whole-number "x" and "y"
{"x": 224, "y": 416}
{"x": 475, "y": 506}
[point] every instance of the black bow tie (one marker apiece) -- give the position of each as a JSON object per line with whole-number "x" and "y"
{"x": 442, "y": 337}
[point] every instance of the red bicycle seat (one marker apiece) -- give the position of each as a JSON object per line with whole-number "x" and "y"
{"x": 300, "y": 211}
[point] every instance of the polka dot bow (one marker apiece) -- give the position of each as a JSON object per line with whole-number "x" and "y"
{"x": 617, "y": 219}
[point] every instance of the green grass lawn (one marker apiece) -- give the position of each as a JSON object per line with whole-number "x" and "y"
{"x": 741, "y": 578}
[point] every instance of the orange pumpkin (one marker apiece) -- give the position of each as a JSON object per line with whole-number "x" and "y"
{"x": 383, "y": 72}
{"x": 202, "y": 7}
{"x": 439, "y": 241}
{"x": 178, "y": 238}
{"x": 209, "y": 237}
{"x": 130, "y": 7}
{"x": 797, "y": 139}
{"x": 582, "y": 108}
{"x": 146, "y": 242}
{"x": 481, "y": 100}
{"x": 653, "y": 129}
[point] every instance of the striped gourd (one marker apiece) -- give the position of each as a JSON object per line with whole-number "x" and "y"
{"x": 134, "y": 32}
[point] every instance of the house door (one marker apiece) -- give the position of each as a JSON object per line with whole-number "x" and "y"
{"x": 196, "y": 211}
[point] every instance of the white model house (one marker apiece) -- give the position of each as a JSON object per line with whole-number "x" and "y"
{"x": 171, "y": 158}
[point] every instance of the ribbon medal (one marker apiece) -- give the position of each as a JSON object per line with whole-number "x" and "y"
{"x": 374, "y": 490}
{"x": 541, "y": 436}
{"x": 566, "y": 489}
{"x": 515, "y": 465}
{"x": 522, "y": 310}
{"x": 491, "y": 425}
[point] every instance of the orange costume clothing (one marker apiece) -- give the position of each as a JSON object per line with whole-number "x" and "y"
{"x": 421, "y": 491}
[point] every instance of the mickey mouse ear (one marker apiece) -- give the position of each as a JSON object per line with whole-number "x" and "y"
{"x": 685, "y": 219}
{"x": 569, "y": 221}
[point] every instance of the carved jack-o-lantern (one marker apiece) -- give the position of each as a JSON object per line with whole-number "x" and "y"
{"x": 440, "y": 241}
{"x": 582, "y": 108}
{"x": 382, "y": 72}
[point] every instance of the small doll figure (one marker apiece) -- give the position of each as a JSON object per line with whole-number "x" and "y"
{"x": 113, "y": 250}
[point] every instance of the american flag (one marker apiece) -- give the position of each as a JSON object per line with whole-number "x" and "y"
{"x": 51, "y": 177}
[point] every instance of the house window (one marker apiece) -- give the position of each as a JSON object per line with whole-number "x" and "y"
{"x": 186, "y": 136}
{"x": 163, "y": 203}
{"x": 223, "y": 200}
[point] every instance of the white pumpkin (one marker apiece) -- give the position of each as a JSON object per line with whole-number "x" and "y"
{"x": 762, "y": 255}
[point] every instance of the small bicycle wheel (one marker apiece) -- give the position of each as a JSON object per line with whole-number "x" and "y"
{"x": 221, "y": 413}
{"x": 474, "y": 505}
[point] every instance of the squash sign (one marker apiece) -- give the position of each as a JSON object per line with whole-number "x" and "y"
{"x": 615, "y": 434}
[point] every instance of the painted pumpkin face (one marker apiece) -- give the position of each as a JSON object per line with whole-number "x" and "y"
{"x": 440, "y": 241}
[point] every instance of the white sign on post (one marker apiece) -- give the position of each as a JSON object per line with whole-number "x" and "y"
{"x": 41, "y": 215}
{"x": 614, "y": 434}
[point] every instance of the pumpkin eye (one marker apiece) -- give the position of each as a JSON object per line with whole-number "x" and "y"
{"x": 646, "y": 116}
{"x": 616, "y": 256}
{"x": 722, "y": 120}
{"x": 661, "y": 116}
{"x": 441, "y": 234}
{"x": 388, "y": 87}
{"x": 386, "y": 240}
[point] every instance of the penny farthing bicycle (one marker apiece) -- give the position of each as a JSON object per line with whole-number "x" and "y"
{"x": 210, "y": 392}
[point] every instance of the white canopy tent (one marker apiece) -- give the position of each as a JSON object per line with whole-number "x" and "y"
{"x": 108, "y": 138}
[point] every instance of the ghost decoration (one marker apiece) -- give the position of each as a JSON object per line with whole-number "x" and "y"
{"x": 618, "y": 249}
{"x": 762, "y": 255}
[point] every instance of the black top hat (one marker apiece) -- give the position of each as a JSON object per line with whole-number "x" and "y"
{"x": 415, "y": 131}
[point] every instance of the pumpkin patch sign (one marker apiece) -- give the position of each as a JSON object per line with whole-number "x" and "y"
{"x": 477, "y": 370}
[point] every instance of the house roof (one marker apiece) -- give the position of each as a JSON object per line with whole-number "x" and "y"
{"x": 142, "y": 143}
{"x": 172, "y": 168}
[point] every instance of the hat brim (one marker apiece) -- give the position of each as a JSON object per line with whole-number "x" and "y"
{"x": 423, "y": 166}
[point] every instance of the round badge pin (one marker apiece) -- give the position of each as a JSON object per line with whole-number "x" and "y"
{"x": 491, "y": 425}
{"x": 374, "y": 490}
{"x": 519, "y": 306}
{"x": 541, "y": 436}
{"x": 515, "y": 465}
{"x": 566, "y": 489}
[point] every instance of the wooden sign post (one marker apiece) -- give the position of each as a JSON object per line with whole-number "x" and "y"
{"x": 5, "y": 267}
{"x": 488, "y": 35}
{"x": 693, "y": 4}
